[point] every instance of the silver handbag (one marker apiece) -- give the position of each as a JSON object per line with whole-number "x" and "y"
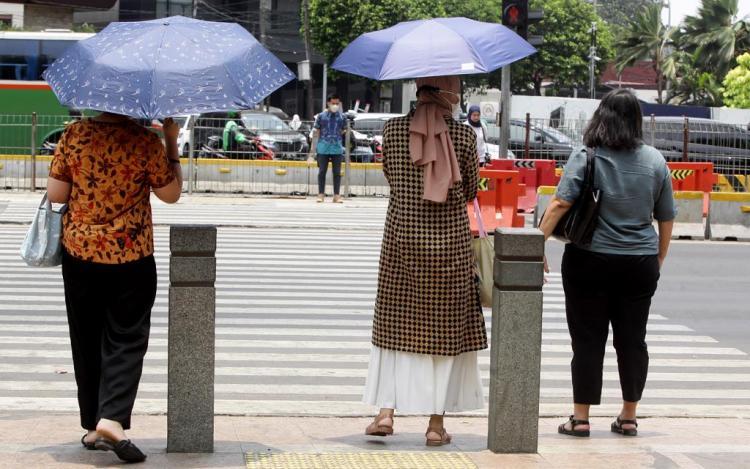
{"x": 42, "y": 246}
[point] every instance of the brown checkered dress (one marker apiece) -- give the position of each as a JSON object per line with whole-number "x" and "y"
{"x": 428, "y": 300}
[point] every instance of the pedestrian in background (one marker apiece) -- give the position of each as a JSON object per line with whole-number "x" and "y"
{"x": 612, "y": 280}
{"x": 428, "y": 323}
{"x": 104, "y": 168}
{"x": 480, "y": 129}
{"x": 330, "y": 126}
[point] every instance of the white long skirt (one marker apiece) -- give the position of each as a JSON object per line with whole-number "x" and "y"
{"x": 416, "y": 383}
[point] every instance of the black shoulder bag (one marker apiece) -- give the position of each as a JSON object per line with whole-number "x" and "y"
{"x": 578, "y": 224}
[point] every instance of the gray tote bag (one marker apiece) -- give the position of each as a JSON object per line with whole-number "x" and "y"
{"x": 42, "y": 246}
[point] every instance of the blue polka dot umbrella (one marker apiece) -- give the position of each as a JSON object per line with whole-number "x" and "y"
{"x": 160, "y": 68}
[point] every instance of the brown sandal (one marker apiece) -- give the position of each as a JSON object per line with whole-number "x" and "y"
{"x": 445, "y": 438}
{"x": 376, "y": 429}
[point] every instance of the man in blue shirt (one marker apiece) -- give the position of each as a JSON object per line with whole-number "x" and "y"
{"x": 329, "y": 129}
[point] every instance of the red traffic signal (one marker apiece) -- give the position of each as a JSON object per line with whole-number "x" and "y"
{"x": 514, "y": 13}
{"x": 512, "y": 16}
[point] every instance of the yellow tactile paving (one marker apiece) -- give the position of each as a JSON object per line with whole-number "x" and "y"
{"x": 367, "y": 460}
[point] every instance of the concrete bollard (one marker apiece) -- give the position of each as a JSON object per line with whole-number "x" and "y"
{"x": 689, "y": 222}
{"x": 516, "y": 342}
{"x": 192, "y": 314}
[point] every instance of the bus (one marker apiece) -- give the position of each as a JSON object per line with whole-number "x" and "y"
{"x": 24, "y": 56}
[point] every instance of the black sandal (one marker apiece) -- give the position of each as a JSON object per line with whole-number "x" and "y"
{"x": 617, "y": 427}
{"x": 88, "y": 446}
{"x": 573, "y": 432}
{"x": 124, "y": 449}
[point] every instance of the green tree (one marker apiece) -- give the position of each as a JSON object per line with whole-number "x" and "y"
{"x": 619, "y": 12}
{"x": 715, "y": 36}
{"x": 646, "y": 38}
{"x": 690, "y": 85}
{"x": 737, "y": 84}
{"x": 563, "y": 58}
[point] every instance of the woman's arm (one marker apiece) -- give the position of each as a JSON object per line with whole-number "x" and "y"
{"x": 552, "y": 216}
{"x": 665, "y": 237}
{"x": 555, "y": 211}
{"x": 58, "y": 192}
{"x": 171, "y": 192}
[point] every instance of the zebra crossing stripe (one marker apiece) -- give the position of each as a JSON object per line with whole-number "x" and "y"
{"x": 681, "y": 174}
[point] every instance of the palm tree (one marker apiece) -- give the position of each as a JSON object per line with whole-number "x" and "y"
{"x": 646, "y": 38}
{"x": 715, "y": 36}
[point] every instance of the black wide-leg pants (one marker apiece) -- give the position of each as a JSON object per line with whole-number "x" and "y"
{"x": 109, "y": 317}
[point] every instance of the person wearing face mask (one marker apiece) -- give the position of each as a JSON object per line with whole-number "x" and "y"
{"x": 330, "y": 126}
{"x": 476, "y": 124}
{"x": 428, "y": 323}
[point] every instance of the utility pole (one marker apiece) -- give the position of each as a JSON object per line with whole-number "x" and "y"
{"x": 264, "y": 7}
{"x": 504, "y": 111}
{"x": 195, "y": 8}
{"x": 592, "y": 62}
{"x": 310, "y": 87}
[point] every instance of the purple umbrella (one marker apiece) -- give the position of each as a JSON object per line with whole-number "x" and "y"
{"x": 435, "y": 47}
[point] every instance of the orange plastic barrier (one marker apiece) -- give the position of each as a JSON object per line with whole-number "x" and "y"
{"x": 498, "y": 200}
{"x": 534, "y": 174}
{"x": 695, "y": 177}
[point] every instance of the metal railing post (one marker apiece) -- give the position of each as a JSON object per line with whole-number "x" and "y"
{"x": 685, "y": 139}
{"x": 191, "y": 156}
{"x": 348, "y": 156}
{"x": 33, "y": 151}
{"x": 528, "y": 134}
{"x": 653, "y": 130}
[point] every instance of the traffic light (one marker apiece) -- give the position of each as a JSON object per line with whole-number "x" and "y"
{"x": 514, "y": 13}
{"x": 516, "y": 16}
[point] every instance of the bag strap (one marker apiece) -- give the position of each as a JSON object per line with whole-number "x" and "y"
{"x": 480, "y": 222}
{"x": 589, "y": 176}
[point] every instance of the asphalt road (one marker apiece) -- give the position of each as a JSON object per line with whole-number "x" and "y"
{"x": 704, "y": 285}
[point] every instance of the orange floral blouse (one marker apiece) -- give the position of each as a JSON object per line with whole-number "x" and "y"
{"x": 112, "y": 168}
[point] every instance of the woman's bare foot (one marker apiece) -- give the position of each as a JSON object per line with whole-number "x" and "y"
{"x": 91, "y": 436}
{"x": 111, "y": 430}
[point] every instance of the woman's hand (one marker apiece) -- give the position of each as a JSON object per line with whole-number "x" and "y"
{"x": 171, "y": 130}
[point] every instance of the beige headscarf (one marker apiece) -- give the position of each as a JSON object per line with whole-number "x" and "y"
{"x": 429, "y": 141}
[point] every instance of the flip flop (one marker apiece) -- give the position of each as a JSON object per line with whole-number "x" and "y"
{"x": 124, "y": 449}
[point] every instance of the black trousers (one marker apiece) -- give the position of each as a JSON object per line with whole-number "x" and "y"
{"x": 323, "y": 161}
{"x": 109, "y": 317}
{"x": 604, "y": 289}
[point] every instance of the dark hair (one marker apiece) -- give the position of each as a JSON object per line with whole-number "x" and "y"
{"x": 332, "y": 96}
{"x": 617, "y": 123}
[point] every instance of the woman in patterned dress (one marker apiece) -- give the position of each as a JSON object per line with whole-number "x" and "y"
{"x": 428, "y": 323}
{"x": 104, "y": 168}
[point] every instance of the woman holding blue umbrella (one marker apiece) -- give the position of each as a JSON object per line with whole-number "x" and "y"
{"x": 428, "y": 324}
{"x": 106, "y": 169}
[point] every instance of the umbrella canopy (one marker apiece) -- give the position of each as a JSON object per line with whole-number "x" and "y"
{"x": 159, "y": 68}
{"x": 435, "y": 47}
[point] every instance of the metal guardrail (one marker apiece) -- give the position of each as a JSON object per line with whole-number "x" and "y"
{"x": 258, "y": 153}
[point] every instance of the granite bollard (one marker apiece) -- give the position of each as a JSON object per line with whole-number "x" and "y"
{"x": 516, "y": 341}
{"x": 192, "y": 314}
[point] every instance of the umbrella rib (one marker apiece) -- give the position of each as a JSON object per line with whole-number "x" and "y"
{"x": 154, "y": 91}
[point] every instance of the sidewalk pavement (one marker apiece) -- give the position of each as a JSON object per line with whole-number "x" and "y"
{"x": 35, "y": 441}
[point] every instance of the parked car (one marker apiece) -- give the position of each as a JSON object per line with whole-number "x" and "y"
{"x": 544, "y": 142}
{"x": 725, "y": 145}
{"x": 276, "y": 135}
{"x": 372, "y": 124}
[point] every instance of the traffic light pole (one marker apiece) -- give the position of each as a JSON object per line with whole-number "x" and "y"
{"x": 504, "y": 111}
